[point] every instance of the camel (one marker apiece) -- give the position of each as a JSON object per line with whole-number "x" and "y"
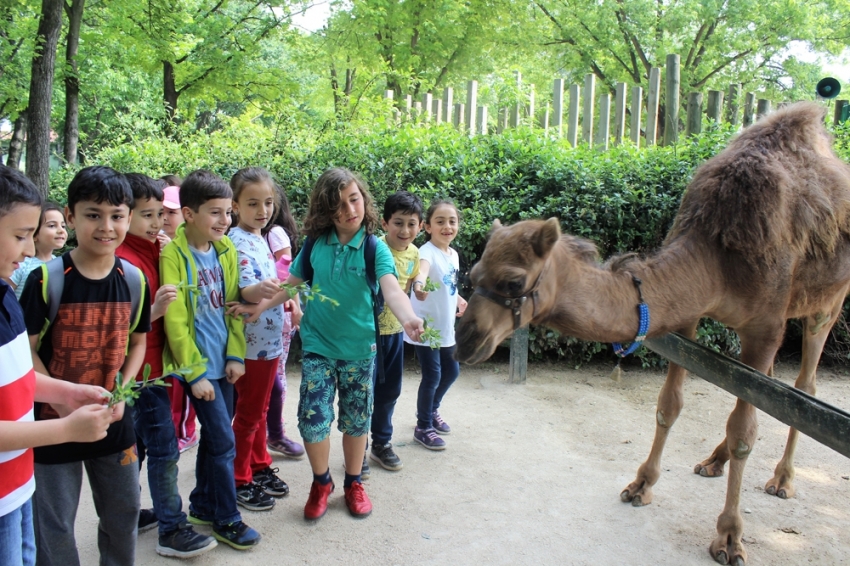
{"x": 762, "y": 235}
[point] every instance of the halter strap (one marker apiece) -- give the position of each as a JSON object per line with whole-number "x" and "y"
{"x": 515, "y": 304}
{"x": 643, "y": 325}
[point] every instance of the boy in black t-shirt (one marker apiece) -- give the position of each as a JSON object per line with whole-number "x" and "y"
{"x": 89, "y": 341}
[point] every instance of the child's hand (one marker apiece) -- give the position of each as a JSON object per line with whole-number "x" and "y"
{"x": 118, "y": 411}
{"x": 242, "y": 309}
{"x": 88, "y": 423}
{"x": 165, "y": 295}
{"x": 414, "y": 328}
{"x": 269, "y": 288}
{"x": 234, "y": 370}
{"x": 203, "y": 389}
{"x": 294, "y": 307}
{"x": 163, "y": 240}
{"x": 419, "y": 292}
{"x": 82, "y": 395}
{"x": 461, "y": 306}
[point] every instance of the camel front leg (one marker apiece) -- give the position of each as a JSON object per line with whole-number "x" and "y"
{"x": 741, "y": 431}
{"x": 816, "y": 330}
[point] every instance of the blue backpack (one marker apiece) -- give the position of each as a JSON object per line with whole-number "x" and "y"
{"x": 370, "y": 246}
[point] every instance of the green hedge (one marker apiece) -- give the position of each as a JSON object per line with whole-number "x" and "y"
{"x": 623, "y": 199}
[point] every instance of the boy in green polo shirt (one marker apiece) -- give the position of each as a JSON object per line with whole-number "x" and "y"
{"x": 339, "y": 342}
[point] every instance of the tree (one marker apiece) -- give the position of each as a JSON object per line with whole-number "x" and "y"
{"x": 72, "y": 80}
{"x": 41, "y": 93}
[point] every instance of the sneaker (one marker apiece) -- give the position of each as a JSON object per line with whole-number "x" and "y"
{"x": 428, "y": 438}
{"x": 184, "y": 543}
{"x": 357, "y": 501}
{"x": 286, "y": 447}
{"x": 184, "y": 444}
{"x": 441, "y": 426}
{"x": 238, "y": 535}
{"x": 365, "y": 471}
{"x": 271, "y": 484}
{"x": 147, "y": 520}
{"x": 196, "y": 519}
{"x": 317, "y": 502}
{"x": 253, "y": 497}
{"x": 386, "y": 456}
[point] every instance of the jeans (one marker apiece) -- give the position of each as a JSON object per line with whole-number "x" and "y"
{"x": 156, "y": 438}
{"x": 439, "y": 371}
{"x": 114, "y": 481}
{"x": 387, "y": 393}
{"x": 214, "y": 496}
{"x": 17, "y": 538}
{"x": 249, "y": 425}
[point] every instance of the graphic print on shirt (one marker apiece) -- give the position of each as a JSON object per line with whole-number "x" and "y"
{"x": 211, "y": 288}
{"x": 450, "y": 281}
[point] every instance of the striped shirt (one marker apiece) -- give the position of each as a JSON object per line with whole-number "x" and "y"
{"x": 17, "y": 394}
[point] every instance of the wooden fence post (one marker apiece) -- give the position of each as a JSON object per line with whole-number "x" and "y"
{"x": 482, "y": 119}
{"x": 588, "y": 95}
{"x": 839, "y": 110}
{"x": 437, "y": 106}
{"x": 637, "y": 105}
{"x": 516, "y": 109}
{"x": 545, "y": 123}
{"x": 714, "y": 110}
{"x": 459, "y": 116}
{"x": 694, "y": 121}
{"x": 652, "y": 105}
{"x": 471, "y": 105}
{"x": 448, "y": 104}
{"x": 604, "y": 128}
{"x": 671, "y": 109}
{"x": 529, "y": 112}
{"x": 519, "y": 355}
{"x": 427, "y": 103}
{"x": 417, "y": 111}
{"x": 749, "y": 108}
{"x": 572, "y": 116}
{"x": 620, "y": 113}
{"x": 558, "y": 107}
{"x": 733, "y": 104}
{"x": 408, "y": 107}
{"x": 501, "y": 120}
{"x": 762, "y": 108}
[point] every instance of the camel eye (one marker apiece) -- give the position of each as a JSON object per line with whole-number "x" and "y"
{"x": 513, "y": 287}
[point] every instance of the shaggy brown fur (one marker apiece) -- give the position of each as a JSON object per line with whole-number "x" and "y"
{"x": 762, "y": 235}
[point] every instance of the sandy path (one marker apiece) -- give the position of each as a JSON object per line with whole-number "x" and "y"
{"x": 532, "y": 476}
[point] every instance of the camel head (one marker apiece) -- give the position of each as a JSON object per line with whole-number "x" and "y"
{"x": 506, "y": 281}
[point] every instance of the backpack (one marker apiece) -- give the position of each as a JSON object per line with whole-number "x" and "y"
{"x": 370, "y": 246}
{"x": 53, "y": 283}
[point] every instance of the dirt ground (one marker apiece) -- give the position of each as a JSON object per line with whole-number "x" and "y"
{"x": 532, "y": 475}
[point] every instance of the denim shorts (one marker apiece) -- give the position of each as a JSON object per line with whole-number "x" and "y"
{"x": 320, "y": 379}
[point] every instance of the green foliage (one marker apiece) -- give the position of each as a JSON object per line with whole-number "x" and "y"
{"x": 430, "y": 285}
{"x": 128, "y": 392}
{"x": 431, "y": 336}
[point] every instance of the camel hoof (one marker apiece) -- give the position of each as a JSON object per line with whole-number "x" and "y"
{"x": 739, "y": 561}
{"x": 638, "y": 501}
{"x": 781, "y": 494}
{"x": 721, "y": 557}
{"x": 771, "y": 490}
{"x": 625, "y": 496}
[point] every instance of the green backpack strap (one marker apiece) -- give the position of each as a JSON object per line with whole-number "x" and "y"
{"x": 136, "y": 284}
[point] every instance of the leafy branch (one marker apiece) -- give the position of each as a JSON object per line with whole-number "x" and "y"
{"x": 430, "y": 285}
{"x": 192, "y": 289}
{"x": 128, "y": 392}
{"x": 431, "y": 336}
{"x": 308, "y": 293}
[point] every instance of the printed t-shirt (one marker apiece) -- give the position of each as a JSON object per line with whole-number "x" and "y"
{"x": 264, "y": 337}
{"x": 440, "y": 305}
{"x": 210, "y": 330}
{"x": 345, "y": 332}
{"x": 407, "y": 266}
{"x": 17, "y": 393}
{"x": 19, "y": 277}
{"x": 86, "y": 343}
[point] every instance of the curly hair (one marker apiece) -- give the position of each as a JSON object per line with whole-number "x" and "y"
{"x": 325, "y": 202}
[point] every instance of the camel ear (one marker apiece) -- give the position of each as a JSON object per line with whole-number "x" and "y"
{"x": 496, "y": 224}
{"x": 545, "y": 239}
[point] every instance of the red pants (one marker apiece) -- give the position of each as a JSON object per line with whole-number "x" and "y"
{"x": 249, "y": 422}
{"x": 182, "y": 411}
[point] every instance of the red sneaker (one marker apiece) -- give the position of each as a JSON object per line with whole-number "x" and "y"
{"x": 317, "y": 502}
{"x": 357, "y": 501}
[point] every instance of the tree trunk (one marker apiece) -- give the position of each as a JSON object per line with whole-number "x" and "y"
{"x": 41, "y": 93}
{"x": 170, "y": 93}
{"x": 16, "y": 144}
{"x": 72, "y": 81}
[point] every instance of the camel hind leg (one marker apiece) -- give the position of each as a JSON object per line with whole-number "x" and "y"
{"x": 816, "y": 330}
{"x": 670, "y": 402}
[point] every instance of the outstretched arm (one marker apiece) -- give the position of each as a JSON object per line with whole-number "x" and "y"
{"x": 400, "y": 306}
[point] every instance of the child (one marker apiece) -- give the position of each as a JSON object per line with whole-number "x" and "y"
{"x": 254, "y": 203}
{"x": 402, "y": 219}
{"x": 202, "y": 262}
{"x": 440, "y": 263}
{"x": 182, "y": 411}
{"x": 20, "y": 385}
{"x": 89, "y": 341}
{"x": 49, "y": 237}
{"x": 339, "y": 342}
{"x": 279, "y": 234}
{"x": 152, "y": 411}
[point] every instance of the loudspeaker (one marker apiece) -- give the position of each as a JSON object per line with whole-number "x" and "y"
{"x": 828, "y": 88}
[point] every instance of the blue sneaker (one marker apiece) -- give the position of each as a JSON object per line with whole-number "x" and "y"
{"x": 441, "y": 426}
{"x": 196, "y": 519}
{"x": 238, "y": 535}
{"x": 428, "y": 438}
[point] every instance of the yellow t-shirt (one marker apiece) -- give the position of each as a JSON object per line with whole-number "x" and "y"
{"x": 407, "y": 265}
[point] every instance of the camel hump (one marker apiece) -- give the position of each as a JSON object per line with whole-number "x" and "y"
{"x": 776, "y": 188}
